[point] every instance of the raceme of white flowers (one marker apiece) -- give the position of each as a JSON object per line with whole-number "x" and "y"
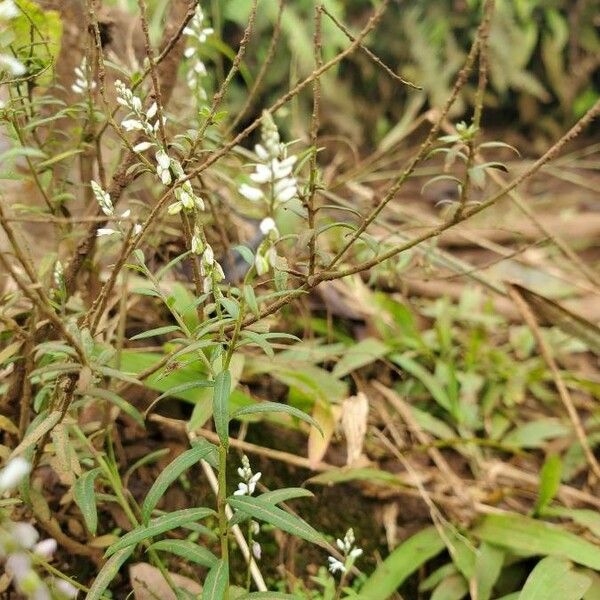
{"x": 249, "y": 480}
{"x": 20, "y": 546}
{"x": 82, "y": 84}
{"x": 197, "y": 33}
{"x": 350, "y": 552}
{"x": 8, "y": 11}
{"x": 166, "y": 167}
{"x": 273, "y": 172}
{"x": 247, "y": 487}
{"x": 210, "y": 269}
{"x": 106, "y": 205}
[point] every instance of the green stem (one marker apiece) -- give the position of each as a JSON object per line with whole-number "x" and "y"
{"x": 221, "y": 506}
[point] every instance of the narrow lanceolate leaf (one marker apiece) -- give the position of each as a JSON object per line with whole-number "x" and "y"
{"x": 402, "y": 563}
{"x": 549, "y": 482}
{"x": 272, "y": 407}
{"x": 172, "y": 520}
{"x": 184, "y": 387}
{"x": 188, "y": 550}
{"x": 85, "y": 497}
{"x": 273, "y": 497}
{"x": 32, "y": 437}
{"x": 108, "y": 572}
{"x": 554, "y": 578}
{"x": 268, "y": 596}
{"x": 536, "y": 537}
{"x": 221, "y": 405}
{"x": 166, "y": 477}
{"x": 123, "y": 405}
{"x": 216, "y": 582}
{"x": 156, "y": 332}
{"x": 268, "y": 512}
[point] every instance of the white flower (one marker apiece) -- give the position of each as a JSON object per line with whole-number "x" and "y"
{"x": 174, "y": 208}
{"x": 18, "y": 565}
{"x": 132, "y": 125}
{"x": 335, "y": 565}
{"x": 209, "y": 256}
{"x": 103, "y": 199}
{"x": 105, "y": 231}
{"x": 162, "y": 158}
{"x": 262, "y": 174}
{"x": 250, "y": 192}
{"x": 46, "y": 548}
{"x": 248, "y": 486}
{"x": 355, "y": 553}
{"x": 8, "y": 10}
{"x": 152, "y": 111}
{"x": 13, "y": 473}
{"x": 256, "y": 550}
{"x": 11, "y": 64}
{"x": 261, "y": 152}
{"x": 25, "y": 533}
{"x": 65, "y": 589}
{"x": 137, "y": 229}
{"x": 142, "y": 146}
{"x": 82, "y": 85}
{"x": 261, "y": 264}
{"x": 59, "y": 274}
{"x": 267, "y": 225}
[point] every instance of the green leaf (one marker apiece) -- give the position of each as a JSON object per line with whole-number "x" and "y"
{"x": 488, "y": 567}
{"x": 168, "y": 475}
{"x": 184, "y": 387}
{"x": 156, "y": 332}
{"x": 216, "y": 581}
{"x": 221, "y": 405}
{"x": 284, "y": 494}
{"x": 188, "y": 550}
{"x": 123, "y": 405}
{"x": 32, "y": 436}
{"x": 526, "y": 535}
{"x": 583, "y": 516}
{"x": 274, "y": 497}
{"x": 260, "y": 340}
{"x": 273, "y": 407}
{"x": 85, "y": 497}
{"x": 453, "y": 587}
{"x": 402, "y": 563}
{"x": 358, "y": 355}
{"x": 358, "y": 474}
{"x": 231, "y": 306}
{"x": 108, "y": 572}
{"x": 250, "y": 298}
{"x": 165, "y": 382}
{"x": 427, "y": 379}
{"x": 245, "y": 253}
{"x": 553, "y": 577}
{"x": 265, "y": 511}
{"x": 159, "y": 525}
{"x": 534, "y": 433}
{"x": 269, "y": 596}
{"x": 57, "y": 158}
{"x": 549, "y": 482}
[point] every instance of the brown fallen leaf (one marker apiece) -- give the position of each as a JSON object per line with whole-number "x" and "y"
{"x": 148, "y": 583}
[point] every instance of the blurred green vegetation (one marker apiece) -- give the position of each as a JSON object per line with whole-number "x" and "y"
{"x": 544, "y": 59}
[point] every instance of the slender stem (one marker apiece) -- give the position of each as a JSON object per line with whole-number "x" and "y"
{"x": 221, "y": 507}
